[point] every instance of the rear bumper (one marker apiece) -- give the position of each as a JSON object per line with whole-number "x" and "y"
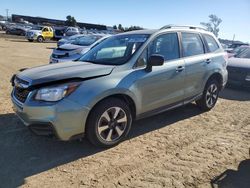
{"x": 64, "y": 119}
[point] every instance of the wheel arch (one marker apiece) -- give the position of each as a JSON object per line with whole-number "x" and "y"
{"x": 218, "y": 77}
{"x": 122, "y": 96}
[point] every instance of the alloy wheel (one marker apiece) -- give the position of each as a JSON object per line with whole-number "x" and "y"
{"x": 211, "y": 95}
{"x": 112, "y": 124}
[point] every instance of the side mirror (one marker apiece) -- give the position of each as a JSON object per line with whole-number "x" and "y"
{"x": 154, "y": 60}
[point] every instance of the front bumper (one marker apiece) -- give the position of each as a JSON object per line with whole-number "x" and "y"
{"x": 32, "y": 37}
{"x": 65, "y": 118}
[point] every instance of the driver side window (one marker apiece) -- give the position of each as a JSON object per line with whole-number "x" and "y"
{"x": 45, "y": 30}
{"x": 166, "y": 45}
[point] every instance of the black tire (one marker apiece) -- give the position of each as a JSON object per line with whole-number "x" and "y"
{"x": 30, "y": 40}
{"x": 96, "y": 116}
{"x": 40, "y": 39}
{"x": 210, "y": 95}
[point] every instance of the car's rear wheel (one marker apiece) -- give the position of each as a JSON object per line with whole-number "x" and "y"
{"x": 109, "y": 123}
{"x": 40, "y": 39}
{"x": 210, "y": 95}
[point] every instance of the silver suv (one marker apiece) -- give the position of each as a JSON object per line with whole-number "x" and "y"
{"x": 127, "y": 77}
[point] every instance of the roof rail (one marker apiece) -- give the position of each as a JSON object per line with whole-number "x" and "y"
{"x": 182, "y": 26}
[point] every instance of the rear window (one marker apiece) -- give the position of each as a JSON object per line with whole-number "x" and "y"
{"x": 192, "y": 44}
{"x": 211, "y": 43}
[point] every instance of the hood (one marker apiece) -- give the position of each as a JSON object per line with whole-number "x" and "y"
{"x": 69, "y": 47}
{"x": 64, "y": 71}
{"x": 239, "y": 62}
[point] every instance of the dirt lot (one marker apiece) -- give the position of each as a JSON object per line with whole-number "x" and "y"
{"x": 179, "y": 148}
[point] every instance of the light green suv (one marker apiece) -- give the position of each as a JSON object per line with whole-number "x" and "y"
{"x": 127, "y": 77}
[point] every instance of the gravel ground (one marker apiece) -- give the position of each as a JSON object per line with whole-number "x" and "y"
{"x": 180, "y": 148}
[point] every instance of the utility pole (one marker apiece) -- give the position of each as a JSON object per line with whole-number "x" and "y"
{"x": 233, "y": 39}
{"x": 7, "y": 14}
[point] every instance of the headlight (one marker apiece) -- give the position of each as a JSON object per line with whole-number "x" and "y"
{"x": 56, "y": 93}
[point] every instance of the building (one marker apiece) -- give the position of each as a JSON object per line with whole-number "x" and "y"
{"x": 53, "y": 22}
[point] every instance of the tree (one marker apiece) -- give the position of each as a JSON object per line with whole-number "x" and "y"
{"x": 70, "y": 21}
{"x": 120, "y": 27}
{"x": 213, "y": 24}
{"x": 132, "y": 28}
{"x": 115, "y": 27}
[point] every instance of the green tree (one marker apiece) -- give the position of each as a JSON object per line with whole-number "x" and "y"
{"x": 132, "y": 28}
{"x": 70, "y": 21}
{"x": 213, "y": 24}
{"x": 114, "y": 27}
{"x": 120, "y": 27}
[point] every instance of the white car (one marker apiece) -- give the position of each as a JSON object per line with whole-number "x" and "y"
{"x": 77, "y": 48}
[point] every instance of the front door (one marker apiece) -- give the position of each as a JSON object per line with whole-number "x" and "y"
{"x": 163, "y": 86}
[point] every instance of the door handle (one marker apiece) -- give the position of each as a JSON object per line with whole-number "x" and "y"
{"x": 208, "y": 61}
{"x": 180, "y": 69}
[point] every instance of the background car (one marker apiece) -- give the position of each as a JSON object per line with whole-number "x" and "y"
{"x": 74, "y": 50}
{"x": 16, "y": 31}
{"x": 40, "y": 35}
{"x": 71, "y": 31}
{"x": 58, "y": 32}
{"x": 236, "y": 44}
{"x": 67, "y": 40}
{"x": 239, "y": 69}
{"x": 238, "y": 50}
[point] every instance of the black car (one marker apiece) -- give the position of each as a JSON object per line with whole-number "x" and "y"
{"x": 237, "y": 44}
{"x": 239, "y": 69}
{"x": 16, "y": 31}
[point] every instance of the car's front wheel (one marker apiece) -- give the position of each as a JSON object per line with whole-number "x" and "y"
{"x": 40, "y": 39}
{"x": 210, "y": 95}
{"x": 109, "y": 122}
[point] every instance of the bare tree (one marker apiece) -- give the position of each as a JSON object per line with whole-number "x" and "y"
{"x": 213, "y": 24}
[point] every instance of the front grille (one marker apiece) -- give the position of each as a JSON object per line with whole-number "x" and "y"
{"x": 29, "y": 34}
{"x": 60, "y": 56}
{"x": 21, "y": 94}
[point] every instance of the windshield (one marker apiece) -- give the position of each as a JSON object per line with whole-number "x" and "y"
{"x": 115, "y": 50}
{"x": 244, "y": 54}
{"x": 85, "y": 40}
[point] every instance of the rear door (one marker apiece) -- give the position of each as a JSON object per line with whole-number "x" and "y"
{"x": 193, "y": 52}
